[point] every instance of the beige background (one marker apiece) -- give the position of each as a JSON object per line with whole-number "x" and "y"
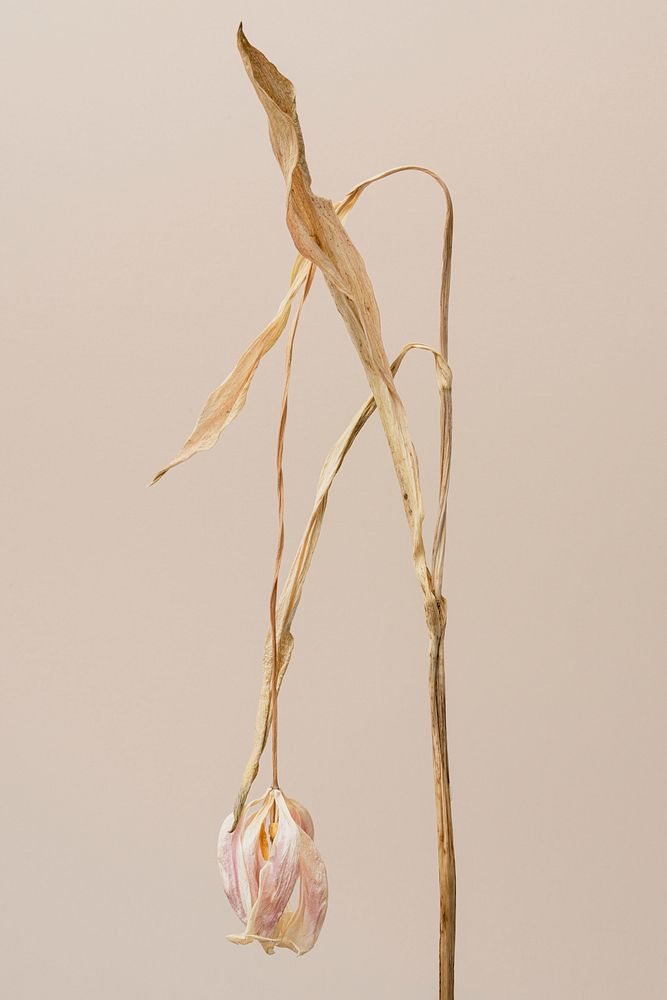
{"x": 143, "y": 247}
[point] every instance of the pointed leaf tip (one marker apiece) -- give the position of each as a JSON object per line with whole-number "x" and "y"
{"x": 157, "y": 477}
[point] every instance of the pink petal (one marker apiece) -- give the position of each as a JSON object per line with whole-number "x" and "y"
{"x": 301, "y": 815}
{"x": 252, "y": 825}
{"x": 299, "y": 929}
{"x": 278, "y": 875}
{"x": 233, "y": 869}
{"x": 232, "y": 863}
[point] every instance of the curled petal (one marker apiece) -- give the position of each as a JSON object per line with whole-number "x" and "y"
{"x": 239, "y": 939}
{"x": 233, "y": 869}
{"x": 299, "y": 929}
{"x": 301, "y": 816}
{"x": 267, "y": 944}
{"x": 232, "y": 863}
{"x": 252, "y": 826}
{"x": 278, "y": 875}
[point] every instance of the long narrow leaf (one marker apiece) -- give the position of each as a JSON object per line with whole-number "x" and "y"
{"x": 227, "y": 401}
{"x": 320, "y": 237}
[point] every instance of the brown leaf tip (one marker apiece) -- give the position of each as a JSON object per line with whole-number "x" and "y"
{"x": 158, "y": 477}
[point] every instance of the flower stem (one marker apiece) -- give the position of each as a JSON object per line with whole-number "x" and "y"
{"x": 446, "y": 860}
{"x": 443, "y": 801}
{"x": 289, "y": 351}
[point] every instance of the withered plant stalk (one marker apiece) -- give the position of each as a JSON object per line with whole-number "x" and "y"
{"x": 282, "y": 423}
{"x": 316, "y": 226}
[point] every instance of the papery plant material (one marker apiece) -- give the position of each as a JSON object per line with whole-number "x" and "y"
{"x": 320, "y": 237}
{"x": 227, "y": 401}
{"x": 263, "y": 862}
{"x": 316, "y": 227}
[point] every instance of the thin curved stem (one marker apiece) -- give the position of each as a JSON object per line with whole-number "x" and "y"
{"x": 289, "y": 351}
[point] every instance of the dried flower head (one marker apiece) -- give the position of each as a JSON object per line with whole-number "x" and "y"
{"x": 268, "y": 858}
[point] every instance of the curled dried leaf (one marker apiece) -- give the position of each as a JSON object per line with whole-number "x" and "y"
{"x": 320, "y": 237}
{"x": 227, "y": 401}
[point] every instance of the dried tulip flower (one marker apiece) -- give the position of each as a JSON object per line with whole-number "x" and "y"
{"x": 266, "y": 851}
{"x": 264, "y": 861}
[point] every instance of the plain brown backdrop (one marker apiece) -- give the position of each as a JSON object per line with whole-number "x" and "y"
{"x": 143, "y": 246}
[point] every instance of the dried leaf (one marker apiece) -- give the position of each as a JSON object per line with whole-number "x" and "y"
{"x": 227, "y": 401}
{"x": 320, "y": 237}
